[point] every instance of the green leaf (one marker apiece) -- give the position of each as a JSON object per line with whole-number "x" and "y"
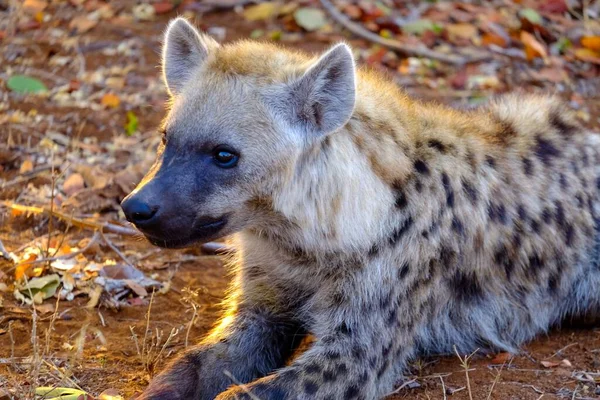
{"x": 61, "y": 393}
{"x": 45, "y": 285}
{"x": 131, "y": 126}
{"x": 25, "y": 84}
{"x": 531, "y": 15}
{"x": 563, "y": 44}
{"x": 310, "y": 18}
{"x": 255, "y": 34}
{"x": 421, "y": 26}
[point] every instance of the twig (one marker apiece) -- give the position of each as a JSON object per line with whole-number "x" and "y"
{"x": 563, "y": 349}
{"x": 187, "y": 334}
{"x": 443, "y": 387}
{"x": 115, "y": 249}
{"x": 4, "y": 253}
{"x": 77, "y": 222}
{"x": 465, "y": 364}
{"x": 358, "y": 30}
{"x": 26, "y": 176}
{"x": 241, "y": 385}
{"x": 399, "y": 388}
{"x": 66, "y": 256}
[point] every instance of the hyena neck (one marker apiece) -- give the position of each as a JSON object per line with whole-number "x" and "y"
{"x": 325, "y": 197}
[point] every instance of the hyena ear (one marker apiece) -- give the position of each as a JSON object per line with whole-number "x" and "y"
{"x": 323, "y": 98}
{"x": 184, "y": 50}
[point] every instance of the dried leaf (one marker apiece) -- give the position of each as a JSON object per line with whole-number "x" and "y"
{"x": 549, "y": 364}
{"x": 501, "y": 358}
{"x": 461, "y": 31}
{"x": 261, "y": 11}
{"x": 26, "y": 166}
{"x": 566, "y": 363}
{"x": 588, "y": 55}
{"x": 309, "y": 18}
{"x": 110, "y": 100}
{"x": 32, "y": 7}
{"x": 163, "y": 8}
{"x": 73, "y": 184}
{"x": 82, "y": 24}
{"x": 591, "y": 42}
{"x": 533, "y": 48}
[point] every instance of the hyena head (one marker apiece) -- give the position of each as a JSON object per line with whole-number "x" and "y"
{"x": 241, "y": 115}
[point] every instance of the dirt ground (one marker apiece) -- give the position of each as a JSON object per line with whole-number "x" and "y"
{"x": 99, "y": 61}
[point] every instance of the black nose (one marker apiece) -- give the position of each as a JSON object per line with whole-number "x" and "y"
{"x": 137, "y": 211}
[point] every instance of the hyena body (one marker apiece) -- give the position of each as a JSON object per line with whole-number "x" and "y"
{"x": 384, "y": 227}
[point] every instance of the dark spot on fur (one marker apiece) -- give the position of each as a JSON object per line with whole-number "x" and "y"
{"x": 343, "y": 329}
{"x": 497, "y": 212}
{"x": 522, "y": 213}
{"x": 563, "y": 127}
{"x": 312, "y": 368}
{"x": 502, "y": 258}
{"x": 385, "y": 301}
{"x": 466, "y": 287}
{"x": 352, "y": 392}
{"x": 579, "y": 198}
{"x": 470, "y": 191}
{"x": 491, "y": 161}
{"x": 527, "y": 166}
{"x": 545, "y": 150}
{"x": 332, "y": 355}
{"x": 399, "y": 232}
{"x": 560, "y": 214}
{"x": 562, "y": 180}
{"x": 448, "y": 189}
{"x": 329, "y": 376}
{"x": 382, "y": 370}
{"x": 401, "y": 200}
{"x": 403, "y": 271}
{"x": 569, "y": 234}
{"x": 391, "y": 319}
{"x": 535, "y": 226}
{"x": 310, "y": 387}
{"x": 457, "y": 226}
{"x": 418, "y": 186}
{"x": 358, "y": 352}
{"x": 436, "y": 144}
{"x": 421, "y": 167}
{"x": 546, "y": 215}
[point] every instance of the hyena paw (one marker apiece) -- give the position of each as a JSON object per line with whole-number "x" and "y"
{"x": 267, "y": 388}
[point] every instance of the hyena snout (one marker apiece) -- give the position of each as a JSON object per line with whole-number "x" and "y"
{"x": 137, "y": 211}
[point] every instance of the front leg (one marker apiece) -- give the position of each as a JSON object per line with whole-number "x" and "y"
{"x": 248, "y": 344}
{"x": 359, "y": 353}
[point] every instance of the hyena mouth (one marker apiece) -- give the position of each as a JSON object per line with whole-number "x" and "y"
{"x": 204, "y": 230}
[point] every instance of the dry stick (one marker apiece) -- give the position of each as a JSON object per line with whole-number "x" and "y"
{"x": 3, "y": 252}
{"x": 187, "y": 334}
{"x": 496, "y": 379}
{"x": 115, "y": 249}
{"x": 443, "y": 387}
{"x": 26, "y": 176}
{"x": 465, "y": 364}
{"x": 66, "y": 256}
{"x": 77, "y": 222}
{"x": 243, "y": 386}
{"x": 407, "y": 50}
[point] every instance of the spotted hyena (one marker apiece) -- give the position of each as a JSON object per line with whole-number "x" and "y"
{"x": 384, "y": 227}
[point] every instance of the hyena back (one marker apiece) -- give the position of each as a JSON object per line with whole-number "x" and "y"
{"x": 384, "y": 227}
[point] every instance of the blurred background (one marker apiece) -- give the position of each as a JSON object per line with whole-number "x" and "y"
{"x": 87, "y": 306}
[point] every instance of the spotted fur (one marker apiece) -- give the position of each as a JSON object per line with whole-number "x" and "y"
{"x": 408, "y": 229}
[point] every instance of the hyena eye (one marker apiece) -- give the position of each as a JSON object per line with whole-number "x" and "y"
{"x": 225, "y": 157}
